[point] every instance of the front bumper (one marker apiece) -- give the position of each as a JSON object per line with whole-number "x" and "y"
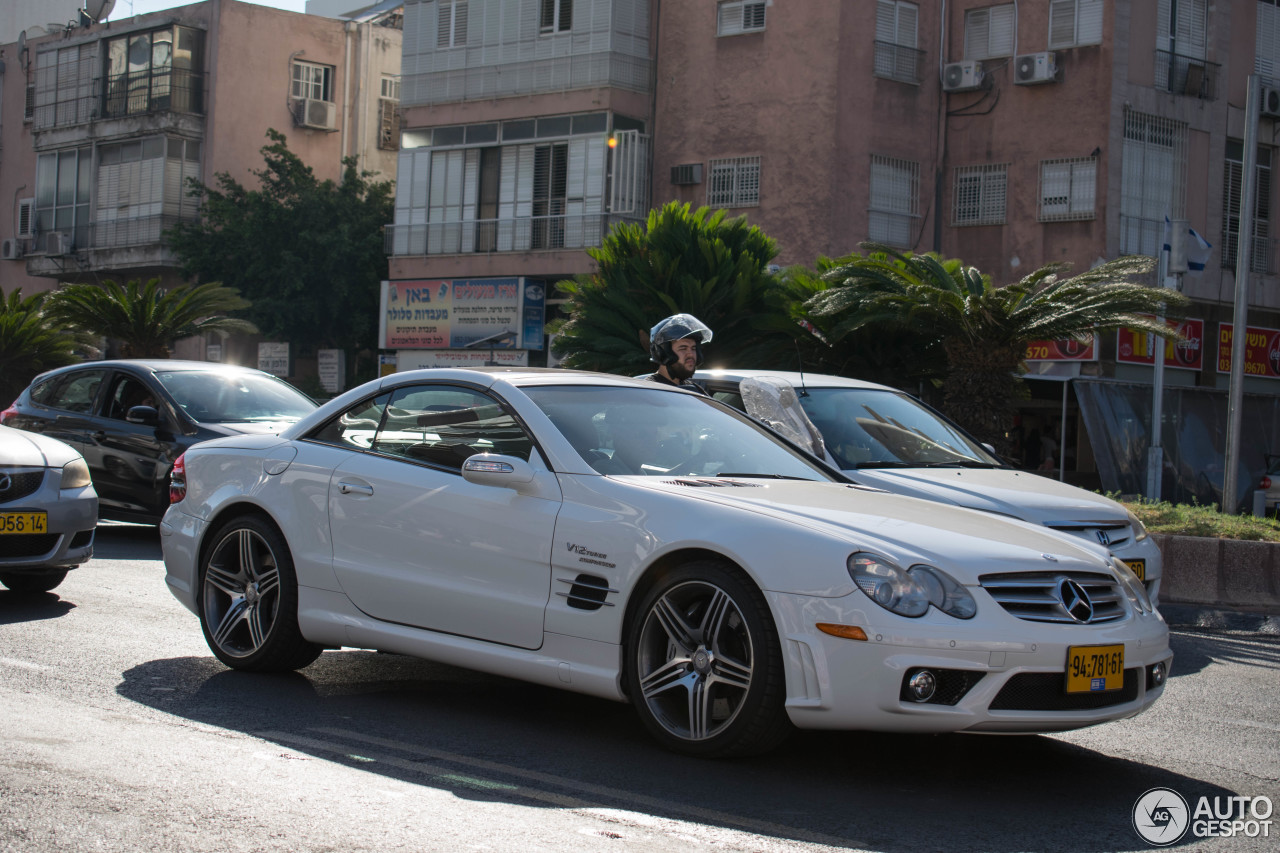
{"x": 72, "y": 520}
{"x": 1002, "y": 674}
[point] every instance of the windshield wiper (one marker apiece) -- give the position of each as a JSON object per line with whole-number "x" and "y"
{"x": 765, "y": 476}
{"x": 959, "y": 463}
{"x": 886, "y": 464}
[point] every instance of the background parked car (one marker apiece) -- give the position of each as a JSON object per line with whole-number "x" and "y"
{"x": 48, "y": 511}
{"x": 131, "y": 419}
{"x": 882, "y": 437}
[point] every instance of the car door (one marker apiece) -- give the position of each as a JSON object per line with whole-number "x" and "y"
{"x": 67, "y": 411}
{"x": 416, "y": 544}
{"x": 134, "y": 459}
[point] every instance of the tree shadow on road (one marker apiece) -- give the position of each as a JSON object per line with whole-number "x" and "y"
{"x": 489, "y": 738}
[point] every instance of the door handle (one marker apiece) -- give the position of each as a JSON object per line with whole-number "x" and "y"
{"x": 355, "y": 488}
{"x": 100, "y": 435}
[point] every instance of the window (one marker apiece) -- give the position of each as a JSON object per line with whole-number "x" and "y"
{"x": 63, "y": 92}
{"x": 389, "y": 113}
{"x": 442, "y": 426}
{"x": 390, "y": 87}
{"x": 1181, "y": 26}
{"x": 1260, "y": 244}
{"x": 142, "y": 189}
{"x": 980, "y": 195}
{"x": 78, "y": 391}
{"x": 1068, "y": 189}
{"x": 312, "y": 81}
{"x": 1074, "y": 22}
{"x": 894, "y": 200}
{"x": 355, "y": 428}
{"x": 556, "y": 16}
{"x": 896, "y": 57}
{"x": 153, "y": 71}
{"x": 26, "y": 217}
{"x": 451, "y": 26}
{"x": 739, "y": 16}
{"x": 989, "y": 32}
{"x": 1266, "y": 58}
{"x": 63, "y": 180}
{"x": 1153, "y": 180}
{"x": 734, "y": 182}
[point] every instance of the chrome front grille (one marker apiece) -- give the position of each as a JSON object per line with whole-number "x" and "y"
{"x": 1112, "y": 534}
{"x": 1070, "y": 598}
{"x": 17, "y": 483}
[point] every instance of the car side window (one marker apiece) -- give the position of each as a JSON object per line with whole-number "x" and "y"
{"x": 355, "y": 428}
{"x": 443, "y": 425}
{"x": 78, "y": 392}
{"x": 127, "y": 392}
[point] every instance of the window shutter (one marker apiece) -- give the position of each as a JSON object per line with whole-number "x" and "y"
{"x": 1266, "y": 60}
{"x": 1062, "y": 23}
{"x": 26, "y": 217}
{"x": 908, "y": 13}
{"x": 1089, "y": 21}
{"x": 886, "y": 21}
{"x": 1084, "y": 180}
{"x": 1002, "y": 31}
{"x": 977, "y": 26}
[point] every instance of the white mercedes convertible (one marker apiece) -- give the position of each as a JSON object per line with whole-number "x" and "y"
{"x": 652, "y": 546}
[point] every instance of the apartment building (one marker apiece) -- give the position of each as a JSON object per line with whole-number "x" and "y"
{"x": 102, "y": 125}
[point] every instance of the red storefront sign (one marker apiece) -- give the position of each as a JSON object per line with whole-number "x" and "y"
{"x": 1134, "y": 347}
{"x": 1261, "y": 351}
{"x": 1068, "y": 350}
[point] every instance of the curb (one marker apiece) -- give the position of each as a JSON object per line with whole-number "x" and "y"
{"x": 1208, "y": 618}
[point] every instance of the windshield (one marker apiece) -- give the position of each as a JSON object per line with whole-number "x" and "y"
{"x": 870, "y": 428}
{"x": 215, "y": 396}
{"x": 657, "y": 433}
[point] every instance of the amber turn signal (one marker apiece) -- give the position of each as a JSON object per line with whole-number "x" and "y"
{"x": 849, "y": 632}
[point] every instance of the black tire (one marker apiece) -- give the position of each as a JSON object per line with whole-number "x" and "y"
{"x": 249, "y": 599}
{"x": 704, "y": 631}
{"x": 43, "y": 582}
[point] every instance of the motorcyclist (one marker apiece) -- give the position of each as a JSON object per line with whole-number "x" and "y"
{"x": 675, "y": 344}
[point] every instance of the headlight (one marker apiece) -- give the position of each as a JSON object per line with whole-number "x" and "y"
{"x": 1139, "y": 529}
{"x": 1133, "y": 587}
{"x": 75, "y": 475}
{"x": 909, "y": 592}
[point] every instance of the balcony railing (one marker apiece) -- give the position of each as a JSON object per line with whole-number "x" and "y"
{"x": 170, "y": 90}
{"x": 1185, "y": 75}
{"x": 120, "y": 233}
{"x": 522, "y": 234}
{"x": 897, "y": 62}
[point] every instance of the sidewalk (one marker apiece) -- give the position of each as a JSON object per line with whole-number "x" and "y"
{"x": 1220, "y": 619}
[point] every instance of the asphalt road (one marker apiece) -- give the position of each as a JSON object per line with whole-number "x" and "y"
{"x": 121, "y": 732}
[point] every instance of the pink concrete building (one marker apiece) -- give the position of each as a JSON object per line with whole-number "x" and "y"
{"x": 101, "y": 125}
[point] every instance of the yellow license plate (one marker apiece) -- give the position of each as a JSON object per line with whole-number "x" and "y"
{"x": 1095, "y": 669}
{"x": 1139, "y": 568}
{"x": 23, "y": 522}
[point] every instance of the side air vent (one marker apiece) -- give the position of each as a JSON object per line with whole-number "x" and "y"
{"x": 715, "y": 484}
{"x": 587, "y": 592}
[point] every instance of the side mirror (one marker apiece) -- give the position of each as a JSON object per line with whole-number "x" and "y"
{"x": 147, "y": 415}
{"x": 494, "y": 469}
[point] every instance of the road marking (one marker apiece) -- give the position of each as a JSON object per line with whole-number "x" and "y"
{"x": 593, "y": 809}
{"x": 22, "y": 664}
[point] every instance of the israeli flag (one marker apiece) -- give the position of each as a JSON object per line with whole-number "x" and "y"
{"x": 1198, "y": 248}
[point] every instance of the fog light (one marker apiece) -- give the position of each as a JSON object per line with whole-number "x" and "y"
{"x": 922, "y": 685}
{"x": 1156, "y": 674}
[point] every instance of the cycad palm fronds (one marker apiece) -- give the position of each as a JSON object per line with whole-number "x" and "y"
{"x": 30, "y": 343}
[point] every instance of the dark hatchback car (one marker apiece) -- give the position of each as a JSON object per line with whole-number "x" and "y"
{"x": 131, "y": 419}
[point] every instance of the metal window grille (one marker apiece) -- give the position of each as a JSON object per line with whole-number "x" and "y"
{"x": 896, "y": 56}
{"x": 735, "y": 182}
{"x": 1068, "y": 189}
{"x": 979, "y": 197}
{"x": 1260, "y": 244}
{"x": 1153, "y": 180}
{"x": 894, "y": 200}
{"x": 989, "y": 32}
{"x": 733, "y": 18}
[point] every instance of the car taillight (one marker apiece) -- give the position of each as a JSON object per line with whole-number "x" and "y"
{"x": 178, "y": 480}
{"x": 1266, "y": 482}
{"x": 10, "y": 412}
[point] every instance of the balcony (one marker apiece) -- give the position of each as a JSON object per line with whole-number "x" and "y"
{"x": 107, "y": 246}
{"x": 168, "y": 90}
{"x": 1185, "y": 75}
{"x": 485, "y": 236}
{"x": 898, "y": 62}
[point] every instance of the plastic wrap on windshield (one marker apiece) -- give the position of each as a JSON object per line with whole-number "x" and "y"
{"x": 774, "y": 403}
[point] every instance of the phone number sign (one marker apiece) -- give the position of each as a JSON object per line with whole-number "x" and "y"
{"x": 1065, "y": 350}
{"x": 1261, "y": 351}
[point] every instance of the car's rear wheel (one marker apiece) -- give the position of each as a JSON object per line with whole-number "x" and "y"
{"x": 704, "y": 668}
{"x": 249, "y": 599}
{"x": 42, "y": 582}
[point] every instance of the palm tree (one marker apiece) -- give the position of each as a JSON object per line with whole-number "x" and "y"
{"x": 147, "y": 319}
{"x": 29, "y": 343}
{"x": 983, "y": 330}
{"x": 680, "y": 261}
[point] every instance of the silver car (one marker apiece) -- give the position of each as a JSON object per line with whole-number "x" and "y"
{"x": 48, "y": 511}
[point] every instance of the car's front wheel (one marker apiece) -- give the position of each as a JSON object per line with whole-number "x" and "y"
{"x": 249, "y": 599}
{"x": 704, "y": 668}
{"x": 42, "y": 582}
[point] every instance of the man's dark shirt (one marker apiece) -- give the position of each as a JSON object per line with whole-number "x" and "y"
{"x": 688, "y": 384}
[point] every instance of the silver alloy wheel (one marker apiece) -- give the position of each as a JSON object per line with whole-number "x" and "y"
{"x": 241, "y": 592}
{"x": 694, "y": 660}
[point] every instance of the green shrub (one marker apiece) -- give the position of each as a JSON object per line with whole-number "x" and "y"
{"x": 1199, "y": 520}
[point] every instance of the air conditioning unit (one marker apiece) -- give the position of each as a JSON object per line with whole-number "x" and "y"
{"x": 686, "y": 174}
{"x": 321, "y": 115}
{"x": 11, "y": 249}
{"x": 1270, "y": 101}
{"x": 1033, "y": 68}
{"x": 59, "y": 243}
{"x": 961, "y": 76}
